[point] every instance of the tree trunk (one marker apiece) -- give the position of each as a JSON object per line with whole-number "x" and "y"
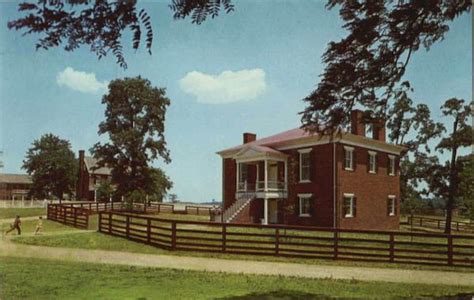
{"x": 452, "y": 184}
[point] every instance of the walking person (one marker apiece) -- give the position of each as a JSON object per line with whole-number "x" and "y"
{"x": 39, "y": 226}
{"x": 16, "y": 225}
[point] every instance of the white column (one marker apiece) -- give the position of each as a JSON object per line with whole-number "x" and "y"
{"x": 95, "y": 195}
{"x": 265, "y": 211}
{"x": 266, "y": 177}
{"x": 286, "y": 174}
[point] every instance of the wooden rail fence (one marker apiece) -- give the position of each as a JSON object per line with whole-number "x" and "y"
{"x": 77, "y": 213}
{"x": 292, "y": 241}
{"x": 440, "y": 224}
{"x": 68, "y": 215}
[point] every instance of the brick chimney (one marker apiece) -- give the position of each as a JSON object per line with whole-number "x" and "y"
{"x": 379, "y": 130}
{"x": 357, "y": 122}
{"x": 249, "y": 137}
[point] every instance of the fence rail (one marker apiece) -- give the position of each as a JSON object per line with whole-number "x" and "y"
{"x": 292, "y": 241}
{"x": 68, "y": 215}
{"x": 440, "y": 223}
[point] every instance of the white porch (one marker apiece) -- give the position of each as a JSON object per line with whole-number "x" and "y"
{"x": 262, "y": 173}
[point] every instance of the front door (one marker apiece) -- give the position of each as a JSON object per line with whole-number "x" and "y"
{"x": 272, "y": 211}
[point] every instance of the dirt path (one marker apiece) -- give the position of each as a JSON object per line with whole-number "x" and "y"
{"x": 7, "y": 248}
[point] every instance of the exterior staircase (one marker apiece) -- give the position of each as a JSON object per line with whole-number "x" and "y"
{"x": 230, "y": 213}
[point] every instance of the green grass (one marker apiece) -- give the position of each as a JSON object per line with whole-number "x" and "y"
{"x": 8, "y": 213}
{"x": 95, "y": 240}
{"x": 29, "y": 226}
{"x": 22, "y": 278}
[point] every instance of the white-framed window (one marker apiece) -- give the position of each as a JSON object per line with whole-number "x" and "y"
{"x": 305, "y": 204}
{"x": 305, "y": 165}
{"x": 372, "y": 162}
{"x": 349, "y": 206}
{"x": 348, "y": 158}
{"x": 369, "y": 130}
{"x": 391, "y": 165}
{"x": 391, "y": 205}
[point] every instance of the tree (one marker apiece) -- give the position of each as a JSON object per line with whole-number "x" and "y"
{"x": 365, "y": 67}
{"x": 412, "y": 127}
{"x": 100, "y": 23}
{"x": 135, "y": 124}
{"x": 466, "y": 185}
{"x": 445, "y": 178}
{"x": 161, "y": 185}
{"x": 105, "y": 191}
{"x": 52, "y": 165}
{"x": 173, "y": 198}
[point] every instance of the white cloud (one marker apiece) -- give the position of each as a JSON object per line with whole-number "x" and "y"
{"x": 226, "y": 87}
{"x": 80, "y": 81}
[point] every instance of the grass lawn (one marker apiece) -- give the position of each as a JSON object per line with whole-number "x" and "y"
{"x": 22, "y": 278}
{"x": 29, "y": 226}
{"x": 8, "y": 213}
{"x": 95, "y": 240}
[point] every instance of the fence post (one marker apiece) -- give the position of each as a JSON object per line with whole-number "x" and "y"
{"x": 439, "y": 224}
{"x": 450, "y": 250}
{"x": 97, "y": 206}
{"x": 110, "y": 222}
{"x": 127, "y": 227}
{"x": 48, "y": 211}
{"x": 336, "y": 242}
{"x": 100, "y": 221}
{"x": 457, "y": 226}
{"x": 224, "y": 237}
{"x": 75, "y": 217}
{"x": 392, "y": 247}
{"x": 112, "y": 203}
{"x": 148, "y": 231}
{"x": 173, "y": 235}
{"x": 277, "y": 241}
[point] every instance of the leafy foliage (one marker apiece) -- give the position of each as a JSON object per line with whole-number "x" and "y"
{"x": 199, "y": 10}
{"x": 105, "y": 191}
{"x": 365, "y": 67}
{"x": 52, "y": 165}
{"x": 135, "y": 123}
{"x": 100, "y": 23}
{"x": 466, "y": 184}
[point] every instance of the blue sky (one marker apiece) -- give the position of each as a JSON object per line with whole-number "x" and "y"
{"x": 260, "y": 61}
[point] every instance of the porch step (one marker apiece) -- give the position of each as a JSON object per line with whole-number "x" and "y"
{"x": 230, "y": 213}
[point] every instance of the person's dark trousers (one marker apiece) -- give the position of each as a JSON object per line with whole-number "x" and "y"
{"x": 18, "y": 230}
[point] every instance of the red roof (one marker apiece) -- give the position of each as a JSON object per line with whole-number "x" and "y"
{"x": 284, "y": 136}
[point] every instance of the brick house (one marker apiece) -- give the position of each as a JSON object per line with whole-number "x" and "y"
{"x": 15, "y": 186}
{"x": 349, "y": 180}
{"x": 90, "y": 177}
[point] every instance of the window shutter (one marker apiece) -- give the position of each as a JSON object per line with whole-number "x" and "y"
{"x": 311, "y": 205}
{"x": 368, "y": 162}
{"x": 388, "y": 165}
{"x": 377, "y": 163}
{"x": 354, "y": 203}
{"x": 311, "y": 165}
{"x": 354, "y": 159}
{"x": 297, "y": 206}
{"x": 296, "y": 156}
{"x": 395, "y": 206}
{"x": 388, "y": 206}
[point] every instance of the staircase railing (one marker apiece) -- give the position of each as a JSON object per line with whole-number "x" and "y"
{"x": 231, "y": 212}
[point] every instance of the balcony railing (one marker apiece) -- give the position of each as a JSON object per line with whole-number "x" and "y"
{"x": 272, "y": 185}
